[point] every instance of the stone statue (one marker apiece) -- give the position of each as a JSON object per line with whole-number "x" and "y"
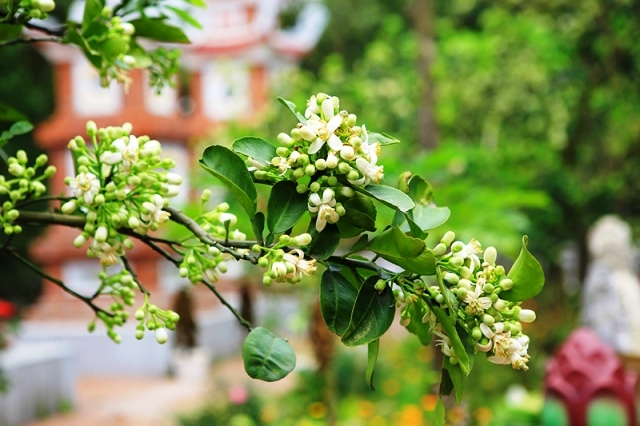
{"x": 611, "y": 301}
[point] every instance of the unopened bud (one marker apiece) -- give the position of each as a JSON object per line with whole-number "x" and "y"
{"x": 285, "y": 139}
{"x": 451, "y": 278}
{"x": 440, "y": 249}
{"x": 448, "y": 238}
{"x": 303, "y": 239}
{"x": 527, "y": 315}
{"x": 490, "y": 255}
{"x": 161, "y": 335}
{"x": 506, "y": 284}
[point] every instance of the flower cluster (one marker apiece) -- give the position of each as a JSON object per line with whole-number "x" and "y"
{"x": 471, "y": 283}
{"x": 285, "y": 266}
{"x": 327, "y": 154}
{"x": 154, "y": 319}
{"x": 23, "y": 184}
{"x": 36, "y": 9}
{"x": 121, "y": 182}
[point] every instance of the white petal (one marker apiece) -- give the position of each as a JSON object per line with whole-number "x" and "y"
{"x": 327, "y": 108}
{"x": 334, "y": 123}
{"x": 327, "y": 196}
{"x": 335, "y": 143}
{"x": 119, "y": 144}
{"x": 314, "y": 199}
{"x": 365, "y": 135}
{"x": 320, "y": 223}
{"x": 358, "y": 182}
{"x": 486, "y": 330}
{"x": 111, "y": 158}
{"x": 315, "y": 146}
{"x": 499, "y": 360}
{"x": 88, "y": 197}
{"x": 133, "y": 143}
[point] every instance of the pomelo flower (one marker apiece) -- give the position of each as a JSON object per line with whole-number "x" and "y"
{"x": 126, "y": 153}
{"x": 324, "y": 207}
{"x": 155, "y": 214}
{"x": 85, "y": 186}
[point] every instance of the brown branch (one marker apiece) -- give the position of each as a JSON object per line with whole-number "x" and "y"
{"x": 30, "y": 40}
{"x": 56, "y": 33}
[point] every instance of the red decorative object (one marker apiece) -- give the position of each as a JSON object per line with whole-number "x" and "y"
{"x": 585, "y": 368}
{"x": 7, "y": 309}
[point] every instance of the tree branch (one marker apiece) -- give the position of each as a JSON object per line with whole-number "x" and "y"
{"x": 243, "y": 322}
{"x": 87, "y": 300}
{"x": 56, "y": 33}
{"x": 30, "y": 40}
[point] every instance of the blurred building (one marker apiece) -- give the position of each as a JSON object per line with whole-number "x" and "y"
{"x": 230, "y": 65}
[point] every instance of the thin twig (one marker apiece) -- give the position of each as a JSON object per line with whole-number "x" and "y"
{"x": 57, "y": 33}
{"x": 37, "y": 270}
{"x": 30, "y": 40}
{"x": 128, "y": 267}
{"x": 45, "y": 198}
{"x": 243, "y": 322}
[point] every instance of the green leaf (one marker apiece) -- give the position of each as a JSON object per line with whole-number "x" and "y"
{"x": 438, "y": 415}
{"x": 382, "y": 138}
{"x": 416, "y": 312}
{"x": 113, "y": 47}
{"x": 324, "y": 243}
{"x": 420, "y": 190}
{"x": 372, "y": 358}
{"x": 412, "y": 227}
{"x": 446, "y": 383}
{"x": 20, "y": 128}
{"x": 256, "y": 148}
{"x": 359, "y": 245}
{"x": 430, "y": 217}
{"x": 293, "y": 109}
{"x": 92, "y": 9}
{"x": 74, "y": 37}
{"x": 456, "y": 376}
{"x": 198, "y": 3}
{"x": 388, "y": 196}
{"x": 140, "y": 55}
{"x": 527, "y": 276}
{"x": 257, "y": 223}
{"x": 156, "y": 29}
{"x": 409, "y": 253}
{"x": 337, "y": 297}
{"x": 231, "y": 170}
{"x": 267, "y": 357}
{"x": 185, "y": 16}
{"x": 285, "y": 207}
{"x": 361, "y": 212}
{"x": 10, "y": 31}
{"x": 10, "y": 114}
{"x": 372, "y": 314}
{"x": 451, "y": 331}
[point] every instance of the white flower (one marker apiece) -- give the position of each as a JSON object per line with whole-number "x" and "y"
{"x": 312, "y": 107}
{"x": 107, "y": 253}
{"x": 151, "y": 148}
{"x": 281, "y": 163}
{"x": 127, "y": 153}
{"x": 445, "y": 344}
{"x": 371, "y": 151}
{"x": 324, "y": 207}
{"x": 85, "y": 186}
{"x": 325, "y": 132}
{"x": 302, "y": 266}
{"x": 469, "y": 251}
{"x": 476, "y": 305}
{"x": 255, "y": 164}
{"x": 370, "y": 172}
{"x": 154, "y": 208}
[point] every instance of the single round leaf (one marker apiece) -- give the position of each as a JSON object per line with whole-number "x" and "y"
{"x": 372, "y": 314}
{"x": 430, "y": 217}
{"x": 285, "y": 207}
{"x": 267, "y": 357}
{"x": 527, "y": 276}
{"x": 231, "y": 170}
{"x": 256, "y": 148}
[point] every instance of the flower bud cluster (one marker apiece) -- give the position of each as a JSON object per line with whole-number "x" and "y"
{"x": 283, "y": 263}
{"x": 121, "y": 182}
{"x": 24, "y": 182}
{"x": 36, "y": 9}
{"x": 152, "y": 318}
{"x": 326, "y": 151}
{"x": 473, "y": 282}
{"x": 204, "y": 261}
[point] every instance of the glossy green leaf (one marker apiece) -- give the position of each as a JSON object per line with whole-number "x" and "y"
{"x": 388, "y": 196}
{"x": 457, "y": 378}
{"x": 257, "y": 223}
{"x": 420, "y": 190}
{"x": 527, "y": 276}
{"x": 185, "y": 16}
{"x": 231, "y": 170}
{"x": 449, "y": 327}
{"x": 372, "y": 357}
{"x": 92, "y": 10}
{"x": 359, "y": 245}
{"x": 267, "y": 357}
{"x": 372, "y": 314}
{"x": 361, "y": 212}
{"x": 416, "y": 312}
{"x": 21, "y": 127}
{"x": 430, "y": 217}
{"x": 413, "y": 228}
{"x": 409, "y": 253}
{"x": 348, "y": 229}
{"x": 285, "y": 207}
{"x": 157, "y": 29}
{"x": 324, "y": 243}
{"x": 337, "y": 297}
{"x": 293, "y": 109}
{"x": 8, "y": 113}
{"x": 256, "y": 148}
{"x": 382, "y": 138}
{"x": 74, "y": 37}
{"x": 10, "y": 31}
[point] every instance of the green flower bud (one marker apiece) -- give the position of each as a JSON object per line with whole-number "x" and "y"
{"x": 440, "y": 299}
{"x": 17, "y": 229}
{"x": 260, "y": 174}
{"x": 344, "y": 168}
{"x": 303, "y": 239}
{"x": 184, "y": 272}
{"x": 139, "y": 315}
{"x": 206, "y": 195}
{"x": 101, "y": 234}
{"x": 307, "y": 134}
{"x": 456, "y": 261}
{"x": 49, "y": 171}
{"x": 310, "y": 170}
{"x": 282, "y": 151}
{"x": 321, "y": 164}
{"x": 295, "y": 134}
{"x": 448, "y": 238}
{"x": 12, "y": 214}
{"x": 457, "y": 246}
{"x": 347, "y": 191}
{"x": 353, "y": 175}
{"x": 340, "y": 210}
{"x": 451, "y": 278}
{"x": 488, "y": 288}
{"x": 161, "y": 335}
{"x": 91, "y": 327}
{"x": 476, "y": 333}
{"x": 499, "y": 305}
{"x": 499, "y": 270}
{"x": 506, "y": 284}
{"x": 314, "y": 187}
{"x": 332, "y": 181}
{"x": 465, "y": 272}
{"x": 79, "y": 241}
{"x": 263, "y": 262}
{"x": 351, "y": 120}
{"x": 301, "y": 188}
{"x": 488, "y": 319}
{"x": 139, "y": 334}
{"x": 285, "y": 139}
{"x": 297, "y": 173}
{"x": 16, "y": 169}
{"x": 440, "y": 249}
{"x": 267, "y": 280}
